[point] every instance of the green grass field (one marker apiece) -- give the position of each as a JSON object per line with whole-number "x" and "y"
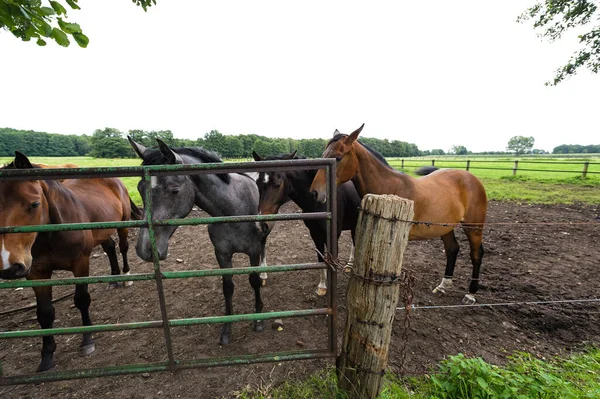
{"x": 544, "y": 185}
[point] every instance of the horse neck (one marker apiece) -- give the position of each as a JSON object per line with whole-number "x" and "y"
{"x": 218, "y": 198}
{"x": 374, "y": 177}
{"x": 301, "y": 181}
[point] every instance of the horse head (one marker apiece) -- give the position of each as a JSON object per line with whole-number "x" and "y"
{"x": 274, "y": 189}
{"x": 340, "y": 147}
{"x": 172, "y": 197}
{"x": 22, "y": 203}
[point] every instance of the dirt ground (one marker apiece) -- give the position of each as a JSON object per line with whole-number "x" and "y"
{"x": 529, "y": 257}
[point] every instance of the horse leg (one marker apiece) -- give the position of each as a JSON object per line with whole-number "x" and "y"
{"x": 224, "y": 260}
{"x": 45, "y": 316}
{"x": 475, "y": 236}
{"x": 124, "y": 248}
{"x": 263, "y": 260}
{"x": 255, "y": 283}
{"x": 451, "y": 248}
{"x": 319, "y": 240}
{"x": 82, "y": 302}
{"x": 110, "y": 248}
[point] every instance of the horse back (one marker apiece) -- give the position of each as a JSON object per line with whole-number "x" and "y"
{"x": 448, "y": 196}
{"x": 102, "y": 200}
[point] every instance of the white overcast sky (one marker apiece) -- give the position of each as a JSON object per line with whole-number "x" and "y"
{"x": 436, "y": 73}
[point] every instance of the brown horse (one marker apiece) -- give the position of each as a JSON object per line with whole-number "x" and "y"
{"x": 444, "y": 198}
{"x": 109, "y": 246}
{"x": 37, "y": 255}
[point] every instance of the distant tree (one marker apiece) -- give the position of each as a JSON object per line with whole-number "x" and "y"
{"x": 459, "y": 150}
{"x": 576, "y": 149}
{"x": 110, "y": 143}
{"x": 555, "y": 17}
{"x": 520, "y": 144}
{"x": 215, "y": 141}
{"x": 437, "y": 152}
{"x": 34, "y": 19}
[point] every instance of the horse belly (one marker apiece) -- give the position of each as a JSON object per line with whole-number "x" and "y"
{"x": 424, "y": 232}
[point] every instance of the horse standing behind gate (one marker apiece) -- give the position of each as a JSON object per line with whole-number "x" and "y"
{"x": 225, "y": 194}
{"x": 444, "y": 198}
{"x": 277, "y": 188}
{"x": 37, "y": 255}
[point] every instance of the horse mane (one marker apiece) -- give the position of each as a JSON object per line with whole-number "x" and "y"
{"x": 153, "y": 156}
{"x": 376, "y": 154}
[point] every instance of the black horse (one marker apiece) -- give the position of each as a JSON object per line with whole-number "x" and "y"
{"x": 277, "y": 188}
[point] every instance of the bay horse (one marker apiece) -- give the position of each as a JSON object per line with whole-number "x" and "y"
{"x": 277, "y": 188}
{"x": 37, "y": 255}
{"x": 444, "y": 197}
{"x": 109, "y": 246}
{"x": 225, "y": 194}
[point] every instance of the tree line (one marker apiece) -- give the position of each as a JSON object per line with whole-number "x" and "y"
{"x": 112, "y": 143}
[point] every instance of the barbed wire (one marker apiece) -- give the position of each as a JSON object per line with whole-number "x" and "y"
{"x": 480, "y": 305}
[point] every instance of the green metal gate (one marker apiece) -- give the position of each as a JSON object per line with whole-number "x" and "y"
{"x": 146, "y": 172}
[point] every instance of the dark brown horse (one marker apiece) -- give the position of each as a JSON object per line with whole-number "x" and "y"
{"x": 277, "y": 188}
{"x": 37, "y": 255}
{"x": 444, "y": 198}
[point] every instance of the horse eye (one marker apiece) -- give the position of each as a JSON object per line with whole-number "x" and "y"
{"x": 338, "y": 159}
{"x": 175, "y": 191}
{"x": 34, "y": 205}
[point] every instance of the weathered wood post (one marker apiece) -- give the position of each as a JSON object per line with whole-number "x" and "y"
{"x": 515, "y": 167}
{"x": 372, "y": 293}
{"x": 468, "y": 164}
{"x": 585, "y": 169}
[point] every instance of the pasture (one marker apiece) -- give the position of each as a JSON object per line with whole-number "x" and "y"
{"x": 534, "y": 252}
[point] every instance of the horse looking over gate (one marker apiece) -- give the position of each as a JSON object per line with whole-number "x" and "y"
{"x": 226, "y": 194}
{"x": 37, "y": 255}
{"x": 442, "y": 199}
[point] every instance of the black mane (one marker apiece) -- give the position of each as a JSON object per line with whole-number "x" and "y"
{"x": 377, "y": 155}
{"x": 153, "y": 156}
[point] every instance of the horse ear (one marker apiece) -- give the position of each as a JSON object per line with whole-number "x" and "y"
{"x": 292, "y": 155}
{"x": 336, "y": 133}
{"x": 139, "y": 149}
{"x": 21, "y": 161}
{"x": 354, "y": 135}
{"x": 256, "y": 157}
{"x": 172, "y": 156}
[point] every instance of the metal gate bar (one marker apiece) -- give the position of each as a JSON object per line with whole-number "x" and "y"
{"x": 146, "y": 172}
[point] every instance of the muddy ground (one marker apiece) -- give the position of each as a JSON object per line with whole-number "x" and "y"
{"x": 531, "y": 255}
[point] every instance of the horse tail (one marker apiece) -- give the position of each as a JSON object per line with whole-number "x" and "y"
{"x": 425, "y": 170}
{"x": 136, "y": 213}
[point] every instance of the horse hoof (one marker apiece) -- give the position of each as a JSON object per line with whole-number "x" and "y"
{"x": 263, "y": 282}
{"x": 127, "y": 283}
{"x": 112, "y": 285}
{"x": 469, "y": 299}
{"x": 45, "y": 366}
{"x": 86, "y": 350}
{"x": 258, "y": 325}
{"x": 321, "y": 291}
{"x": 439, "y": 291}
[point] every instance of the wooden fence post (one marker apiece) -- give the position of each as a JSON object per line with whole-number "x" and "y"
{"x": 585, "y": 169}
{"x": 402, "y": 164}
{"x": 433, "y": 162}
{"x": 515, "y": 168}
{"x": 372, "y": 293}
{"x": 468, "y": 164}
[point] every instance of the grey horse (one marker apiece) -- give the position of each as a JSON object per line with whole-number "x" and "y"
{"x": 226, "y": 194}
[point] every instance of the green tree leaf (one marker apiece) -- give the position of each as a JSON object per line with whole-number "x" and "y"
{"x": 58, "y": 7}
{"x": 69, "y": 27}
{"x": 73, "y": 4}
{"x": 41, "y": 42}
{"x": 46, "y": 11}
{"x": 81, "y": 39}
{"x": 60, "y": 37}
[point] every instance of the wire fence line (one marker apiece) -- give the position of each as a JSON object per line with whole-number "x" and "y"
{"x": 481, "y": 305}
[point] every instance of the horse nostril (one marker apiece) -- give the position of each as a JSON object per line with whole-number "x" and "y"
{"x": 314, "y": 195}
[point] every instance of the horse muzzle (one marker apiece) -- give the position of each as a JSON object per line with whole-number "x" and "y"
{"x": 15, "y": 271}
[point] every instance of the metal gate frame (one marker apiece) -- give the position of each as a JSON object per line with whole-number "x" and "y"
{"x": 172, "y": 364}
